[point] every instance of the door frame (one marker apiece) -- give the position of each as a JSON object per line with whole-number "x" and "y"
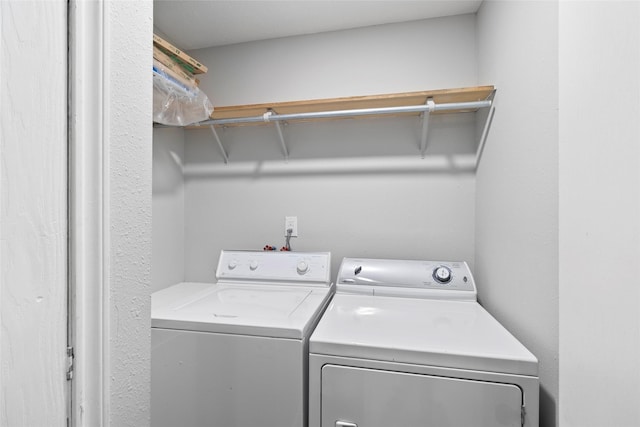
{"x": 88, "y": 214}
{"x": 110, "y": 184}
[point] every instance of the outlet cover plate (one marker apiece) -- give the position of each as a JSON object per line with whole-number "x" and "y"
{"x": 291, "y": 222}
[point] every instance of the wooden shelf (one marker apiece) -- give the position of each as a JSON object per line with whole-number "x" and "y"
{"x": 443, "y": 96}
{"x": 422, "y": 103}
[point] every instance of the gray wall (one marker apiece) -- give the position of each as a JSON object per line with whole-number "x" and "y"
{"x": 517, "y": 182}
{"x": 168, "y": 208}
{"x": 358, "y": 187}
{"x": 419, "y": 55}
{"x": 599, "y": 214}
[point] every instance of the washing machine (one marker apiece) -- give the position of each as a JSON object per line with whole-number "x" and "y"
{"x": 405, "y": 343}
{"x": 234, "y": 353}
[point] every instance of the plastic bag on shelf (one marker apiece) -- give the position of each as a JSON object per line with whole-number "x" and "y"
{"x": 175, "y": 104}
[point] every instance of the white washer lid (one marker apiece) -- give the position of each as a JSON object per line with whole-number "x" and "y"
{"x": 272, "y": 310}
{"x": 452, "y": 334}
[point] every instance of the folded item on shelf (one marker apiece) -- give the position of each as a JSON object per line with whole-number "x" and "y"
{"x": 175, "y": 104}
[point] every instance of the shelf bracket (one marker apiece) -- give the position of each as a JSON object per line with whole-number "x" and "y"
{"x": 223, "y": 151}
{"x": 483, "y": 137}
{"x": 425, "y": 125}
{"x": 266, "y": 117}
{"x": 281, "y": 136}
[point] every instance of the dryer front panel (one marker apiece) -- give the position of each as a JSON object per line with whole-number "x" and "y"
{"x": 360, "y": 397}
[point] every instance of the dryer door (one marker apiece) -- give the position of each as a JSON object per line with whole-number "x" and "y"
{"x": 359, "y": 397}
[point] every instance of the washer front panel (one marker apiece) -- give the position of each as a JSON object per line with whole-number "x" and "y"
{"x": 207, "y": 379}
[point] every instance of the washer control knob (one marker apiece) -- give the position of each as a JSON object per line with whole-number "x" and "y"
{"x": 253, "y": 265}
{"x": 442, "y": 274}
{"x": 232, "y": 264}
{"x": 302, "y": 267}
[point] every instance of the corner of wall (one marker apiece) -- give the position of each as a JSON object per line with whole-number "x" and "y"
{"x": 517, "y": 182}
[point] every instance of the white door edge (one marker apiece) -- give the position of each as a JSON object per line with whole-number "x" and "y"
{"x": 88, "y": 213}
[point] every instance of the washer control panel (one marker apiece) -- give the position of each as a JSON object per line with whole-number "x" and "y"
{"x": 266, "y": 266}
{"x": 408, "y": 274}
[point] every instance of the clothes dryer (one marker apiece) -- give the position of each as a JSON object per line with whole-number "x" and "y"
{"x": 235, "y": 353}
{"x": 405, "y": 343}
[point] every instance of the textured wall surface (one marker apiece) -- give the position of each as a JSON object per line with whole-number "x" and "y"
{"x": 517, "y": 182}
{"x": 599, "y": 215}
{"x": 128, "y": 124}
{"x": 33, "y": 213}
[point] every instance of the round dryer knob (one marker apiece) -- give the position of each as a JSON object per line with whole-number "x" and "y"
{"x": 442, "y": 274}
{"x": 232, "y": 264}
{"x": 253, "y": 265}
{"x": 302, "y": 267}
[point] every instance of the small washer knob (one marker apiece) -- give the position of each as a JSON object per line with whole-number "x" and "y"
{"x": 442, "y": 274}
{"x": 232, "y": 264}
{"x": 302, "y": 267}
{"x": 253, "y": 265}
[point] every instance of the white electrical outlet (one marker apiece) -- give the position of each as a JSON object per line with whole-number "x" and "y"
{"x": 291, "y": 222}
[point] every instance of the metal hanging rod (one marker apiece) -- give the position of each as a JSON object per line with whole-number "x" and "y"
{"x": 270, "y": 116}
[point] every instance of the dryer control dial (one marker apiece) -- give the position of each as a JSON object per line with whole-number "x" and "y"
{"x": 232, "y": 264}
{"x": 442, "y": 274}
{"x": 253, "y": 265}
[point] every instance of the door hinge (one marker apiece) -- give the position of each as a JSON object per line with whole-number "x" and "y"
{"x": 523, "y": 412}
{"x": 70, "y": 356}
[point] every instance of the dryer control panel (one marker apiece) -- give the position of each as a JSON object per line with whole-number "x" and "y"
{"x": 428, "y": 279}
{"x": 266, "y": 266}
